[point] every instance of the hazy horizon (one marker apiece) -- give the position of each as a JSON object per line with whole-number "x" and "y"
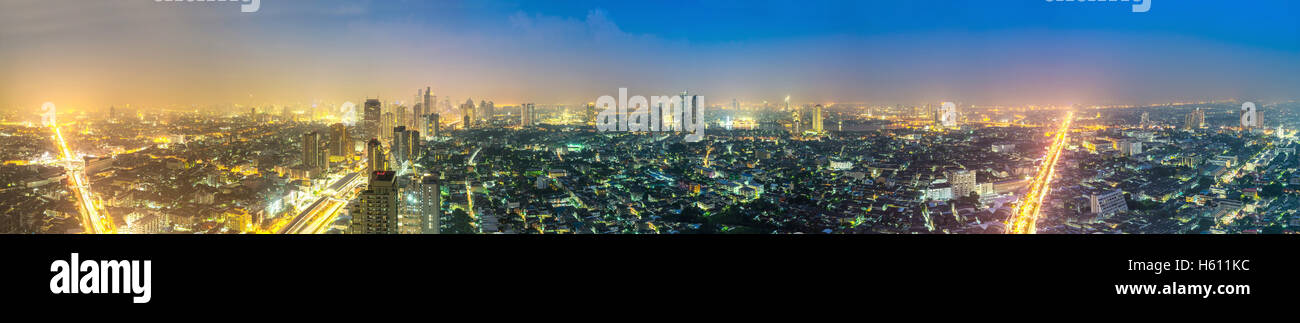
{"x": 95, "y": 54}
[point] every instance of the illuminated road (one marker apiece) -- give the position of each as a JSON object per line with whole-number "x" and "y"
{"x": 469, "y": 188}
{"x": 318, "y": 217}
{"x": 93, "y": 220}
{"x": 1025, "y": 219}
{"x": 469, "y": 196}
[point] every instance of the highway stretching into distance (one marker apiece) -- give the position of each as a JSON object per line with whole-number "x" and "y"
{"x": 93, "y": 220}
{"x": 317, "y": 217}
{"x": 1025, "y": 218}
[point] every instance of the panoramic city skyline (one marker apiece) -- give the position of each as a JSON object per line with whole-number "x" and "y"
{"x": 92, "y": 55}
{"x": 1147, "y": 152}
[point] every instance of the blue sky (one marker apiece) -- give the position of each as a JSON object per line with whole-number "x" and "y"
{"x": 876, "y": 52}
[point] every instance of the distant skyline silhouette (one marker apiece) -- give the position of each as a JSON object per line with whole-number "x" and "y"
{"x": 95, "y": 54}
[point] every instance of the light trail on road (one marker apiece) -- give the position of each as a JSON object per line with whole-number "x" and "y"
{"x": 325, "y": 210}
{"x": 92, "y": 220}
{"x": 1025, "y": 218}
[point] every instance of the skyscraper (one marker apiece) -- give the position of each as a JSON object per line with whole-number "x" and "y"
{"x": 796, "y": 120}
{"x": 315, "y": 152}
{"x": 399, "y": 116}
{"x": 485, "y": 110}
{"x": 375, "y": 156}
{"x": 433, "y": 125}
{"x": 400, "y": 145}
{"x": 417, "y": 117}
{"x": 527, "y": 112}
{"x": 371, "y": 114}
{"x": 386, "y": 123}
{"x": 467, "y": 110}
{"x": 340, "y": 142}
{"x": 417, "y": 111}
{"x": 817, "y": 120}
{"x": 430, "y": 204}
{"x": 412, "y": 145}
{"x": 427, "y": 101}
{"x": 590, "y": 116}
{"x": 376, "y": 210}
{"x": 406, "y": 145}
{"x": 1194, "y": 120}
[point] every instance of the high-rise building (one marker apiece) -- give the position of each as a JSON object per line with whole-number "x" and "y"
{"x": 430, "y": 204}
{"x": 796, "y": 120}
{"x": 1129, "y": 147}
{"x": 412, "y": 145}
{"x": 429, "y": 99}
{"x": 817, "y": 120}
{"x": 426, "y": 103}
{"x": 590, "y": 116}
{"x": 406, "y": 145}
{"x": 467, "y": 110}
{"x": 527, "y": 111}
{"x": 399, "y": 116}
{"x": 962, "y": 181}
{"x": 375, "y": 159}
{"x": 417, "y": 110}
{"x": 434, "y": 125}
{"x": 1146, "y": 120}
{"x": 323, "y": 153}
{"x": 485, "y": 110}
{"x": 315, "y": 152}
{"x": 386, "y": 123}
{"x": 376, "y": 209}
{"x": 417, "y": 117}
{"x": 1195, "y": 120}
{"x": 1107, "y": 202}
{"x": 400, "y": 145}
{"x": 370, "y": 116}
{"x": 340, "y": 142}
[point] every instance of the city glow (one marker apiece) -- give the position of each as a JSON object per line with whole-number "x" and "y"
{"x": 94, "y": 220}
{"x": 1025, "y": 219}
